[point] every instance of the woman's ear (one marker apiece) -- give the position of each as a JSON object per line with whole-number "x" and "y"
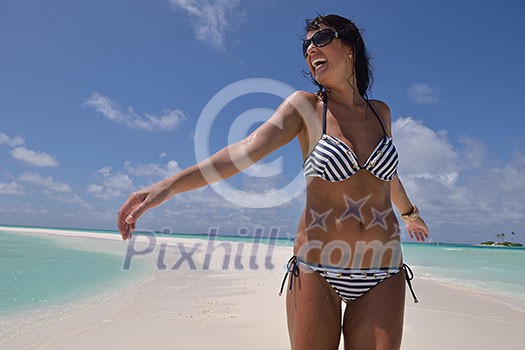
{"x": 350, "y": 52}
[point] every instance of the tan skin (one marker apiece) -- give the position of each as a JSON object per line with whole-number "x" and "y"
{"x": 375, "y": 320}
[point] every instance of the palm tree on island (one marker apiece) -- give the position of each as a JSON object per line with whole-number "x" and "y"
{"x": 503, "y": 242}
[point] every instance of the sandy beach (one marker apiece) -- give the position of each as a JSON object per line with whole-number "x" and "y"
{"x": 239, "y": 308}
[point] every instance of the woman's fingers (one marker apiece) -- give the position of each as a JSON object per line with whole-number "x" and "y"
{"x": 416, "y": 234}
{"x": 424, "y": 230}
{"x": 136, "y": 212}
{"x": 410, "y": 233}
{"x": 123, "y": 227}
{"x": 417, "y": 230}
{"x": 419, "y": 234}
{"x": 128, "y": 214}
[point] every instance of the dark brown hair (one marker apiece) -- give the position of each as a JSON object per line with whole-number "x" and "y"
{"x": 351, "y": 35}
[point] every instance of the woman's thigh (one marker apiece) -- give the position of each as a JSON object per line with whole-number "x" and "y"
{"x": 375, "y": 320}
{"x": 314, "y": 313}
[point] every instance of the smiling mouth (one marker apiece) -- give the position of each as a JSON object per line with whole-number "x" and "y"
{"x": 318, "y": 62}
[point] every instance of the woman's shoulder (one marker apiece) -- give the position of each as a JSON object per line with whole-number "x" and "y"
{"x": 305, "y": 106}
{"x": 382, "y": 109}
{"x": 380, "y": 105}
{"x": 305, "y": 97}
{"x": 305, "y": 103}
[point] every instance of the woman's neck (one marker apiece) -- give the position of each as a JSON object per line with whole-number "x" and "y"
{"x": 345, "y": 95}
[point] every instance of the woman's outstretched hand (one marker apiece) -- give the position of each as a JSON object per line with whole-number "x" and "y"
{"x": 137, "y": 204}
{"x": 417, "y": 230}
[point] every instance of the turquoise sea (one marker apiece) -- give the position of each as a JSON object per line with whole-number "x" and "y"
{"x": 39, "y": 270}
{"x": 493, "y": 271}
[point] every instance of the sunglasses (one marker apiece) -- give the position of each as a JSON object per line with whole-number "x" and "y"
{"x": 320, "y": 39}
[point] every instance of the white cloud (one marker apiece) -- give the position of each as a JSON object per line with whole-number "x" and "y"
{"x": 101, "y": 192}
{"x": 206, "y": 198}
{"x": 152, "y": 170}
{"x": 54, "y": 190}
{"x": 11, "y": 188}
{"x": 500, "y": 191}
{"x": 47, "y": 183}
{"x": 211, "y": 19}
{"x": 447, "y": 184}
{"x": 94, "y": 188}
{"x": 473, "y": 153}
{"x": 105, "y": 171}
{"x": 425, "y": 152}
{"x": 34, "y": 158}
{"x": 118, "y": 182}
{"x": 11, "y": 141}
{"x": 169, "y": 120}
{"x": 198, "y": 211}
{"x": 110, "y": 186}
{"x": 70, "y": 198}
{"x": 265, "y": 169}
{"x": 421, "y": 93}
{"x": 25, "y": 209}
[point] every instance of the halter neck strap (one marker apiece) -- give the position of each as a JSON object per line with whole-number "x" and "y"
{"x": 325, "y": 108}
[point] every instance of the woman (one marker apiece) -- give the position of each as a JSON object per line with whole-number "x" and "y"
{"x": 347, "y": 246}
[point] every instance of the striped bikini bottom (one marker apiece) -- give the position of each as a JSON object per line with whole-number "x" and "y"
{"x": 348, "y": 283}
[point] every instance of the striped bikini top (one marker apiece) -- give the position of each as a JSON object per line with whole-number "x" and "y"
{"x": 332, "y": 160}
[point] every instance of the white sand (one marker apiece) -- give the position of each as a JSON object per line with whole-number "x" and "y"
{"x": 241, "y": 309}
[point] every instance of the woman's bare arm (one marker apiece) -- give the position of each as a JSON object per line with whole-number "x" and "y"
{"x": 280, "y": 129}
{"x": 399, "y": 196}
{"x": 416, "y": 229}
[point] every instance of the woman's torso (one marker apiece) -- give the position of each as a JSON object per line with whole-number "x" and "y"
{"x": 348, "y": 222}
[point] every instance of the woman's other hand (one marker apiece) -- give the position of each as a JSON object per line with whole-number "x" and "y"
{"x": 417, "y": 229}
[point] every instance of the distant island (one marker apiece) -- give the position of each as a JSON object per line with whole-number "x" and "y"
{"x": 502, "y": 244}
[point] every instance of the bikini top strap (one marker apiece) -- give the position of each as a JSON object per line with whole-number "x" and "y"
{"x": 377, "y": 116}
{"x": 325, "y": 107}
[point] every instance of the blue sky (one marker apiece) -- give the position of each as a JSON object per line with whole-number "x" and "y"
{"x": 101, "y": 98}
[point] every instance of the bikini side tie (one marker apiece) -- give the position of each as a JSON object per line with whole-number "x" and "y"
{"x": 409, "y": 276}
{"x": 292, "y": 267}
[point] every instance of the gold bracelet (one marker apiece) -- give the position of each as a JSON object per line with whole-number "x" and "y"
{"x": 412, "y": 216}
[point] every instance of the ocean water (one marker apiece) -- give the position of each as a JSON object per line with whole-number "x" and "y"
{"x": 492, "y": 271}
{"x": 39, "y": 271}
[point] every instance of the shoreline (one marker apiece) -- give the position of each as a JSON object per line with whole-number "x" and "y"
{"x": 228, "y": 309}
{"x": 89, "y": 233}
{"x": 521, "y": 246}
{"x": 196, "y": 308}
{"x": 170, "y": 241}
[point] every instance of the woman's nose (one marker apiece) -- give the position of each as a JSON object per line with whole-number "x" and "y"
{"x": 311, "y": 49}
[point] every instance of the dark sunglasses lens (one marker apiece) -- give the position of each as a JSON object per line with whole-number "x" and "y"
{"x": 323, "y": 37}
{"x": 306, "y": 44}
{"x": 319, "y": 39}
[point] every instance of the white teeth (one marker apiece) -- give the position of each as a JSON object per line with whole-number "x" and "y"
{"x": 318, "y": 61}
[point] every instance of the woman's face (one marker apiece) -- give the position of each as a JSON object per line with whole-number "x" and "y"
{"x": 329, "y": 64}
